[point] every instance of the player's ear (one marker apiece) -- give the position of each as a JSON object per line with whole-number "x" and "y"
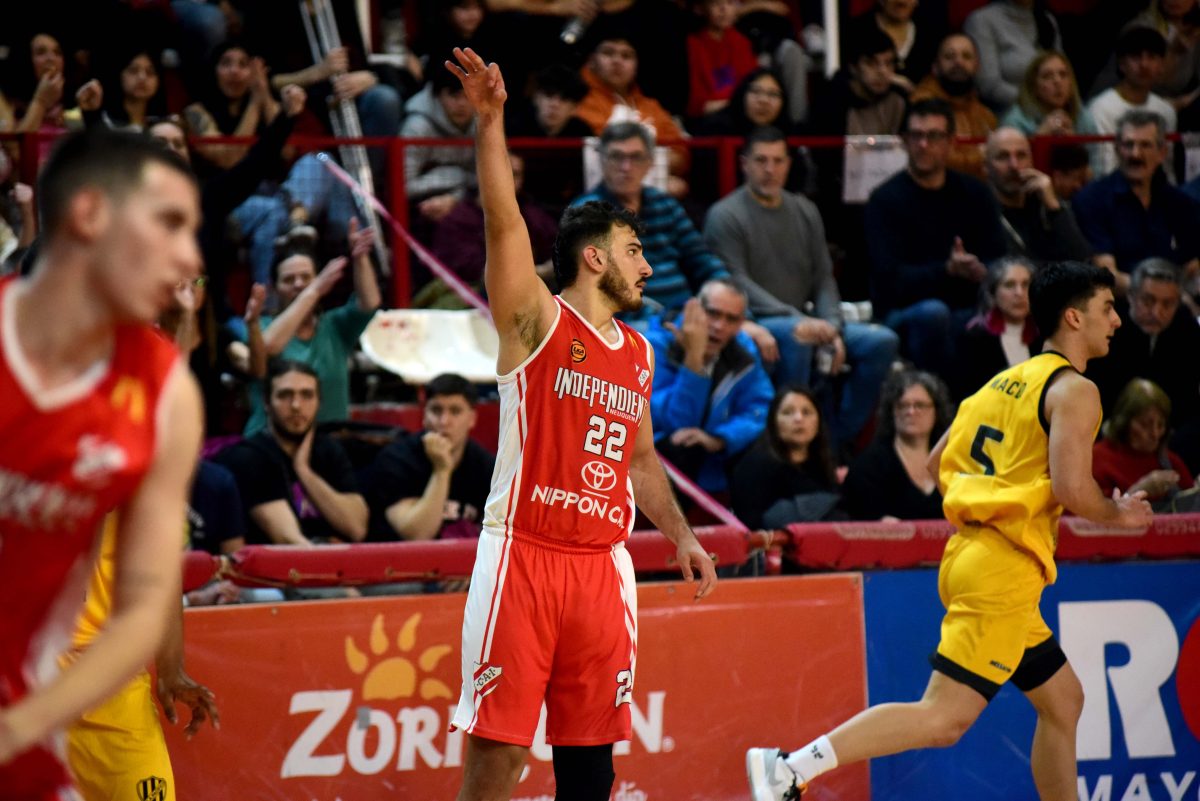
{"x": 593, "y": 257}
{"x": 89, "y": 212}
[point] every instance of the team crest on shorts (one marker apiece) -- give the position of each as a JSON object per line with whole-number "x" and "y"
{"x": 152, "y": 788}
{"x": 578, "y": 351}
{"x": 485, "y": 677}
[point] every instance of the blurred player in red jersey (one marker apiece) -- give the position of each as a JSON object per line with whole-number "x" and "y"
{"x": 99, "y": 413}
{"x": 552, "y": 610}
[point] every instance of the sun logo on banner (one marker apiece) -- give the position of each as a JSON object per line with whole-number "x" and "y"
{"x": 396, "y": 676}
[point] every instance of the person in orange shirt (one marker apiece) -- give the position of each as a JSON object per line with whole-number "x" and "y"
{"x": 953, "y": 80}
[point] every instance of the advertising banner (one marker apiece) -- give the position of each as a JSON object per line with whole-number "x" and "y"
{"x": 1132, "y": 634}
{"x": 350, "y": 700}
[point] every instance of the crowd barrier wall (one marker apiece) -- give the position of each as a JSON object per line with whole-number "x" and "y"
{"x": 350, "y": 700}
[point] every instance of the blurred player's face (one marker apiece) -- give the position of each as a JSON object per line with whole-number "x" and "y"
{"x": 766, "y": 167}
{"x": 928, "y": 144}
{"x": 1146, "y": 430}
{"x": 139, "y": 79}
{"x": 1139, "y": 152}
{"x": 626, "y": 270}
{"x": 615, "y": 64}
{"x": 797, "y": 421}
{"x": 764, "y": 100}
{"x": 451, "y": 416}
{"x": 1008, "y": 156}
{"x": 624, "y": 165}
{"x": 292, "y": 276}
{"x": 172, "y": 136}
{"x": 726, "y": 311}
{"x": 1153, "y": 305}
{"x": 292, "y": 405}
{"x": 233, "y": 73}
{"x": 148, "y": 246}
{"x": 1053, "y": 85}
{"x": 1012, "y": 293}
{"x": 47, "y": 54}
{"x": 914, "y": 413}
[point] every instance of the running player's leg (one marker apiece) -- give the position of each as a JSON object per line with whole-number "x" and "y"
{"x": 491, "y": 770}
{"x": 1055, "y": 692}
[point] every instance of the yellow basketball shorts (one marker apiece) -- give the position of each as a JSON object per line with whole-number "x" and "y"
{"x": 117, "y": 751}
{"x": 993, "y": 630}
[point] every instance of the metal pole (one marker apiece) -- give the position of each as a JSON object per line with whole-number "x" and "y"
{"x": 833, "y": 55}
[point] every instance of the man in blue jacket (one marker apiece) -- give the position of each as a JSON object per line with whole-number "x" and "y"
{"x": 710, "y": 392}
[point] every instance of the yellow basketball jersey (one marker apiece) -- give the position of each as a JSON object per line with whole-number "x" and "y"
{"x": 996, "y": 466}
{"x": 98, "y": 604}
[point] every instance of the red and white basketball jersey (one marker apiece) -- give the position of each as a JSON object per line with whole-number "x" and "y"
{"x": 67, "y": 458}
{"x": 569, "y": 418}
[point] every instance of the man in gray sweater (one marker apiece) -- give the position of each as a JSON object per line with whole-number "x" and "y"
{"x": 773, "y": 242}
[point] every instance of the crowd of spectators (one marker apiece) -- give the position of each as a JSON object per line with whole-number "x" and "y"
{"x": 810, "y": 341}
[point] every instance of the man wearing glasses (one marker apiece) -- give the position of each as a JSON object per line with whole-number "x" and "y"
{"x": 930, "y": 232}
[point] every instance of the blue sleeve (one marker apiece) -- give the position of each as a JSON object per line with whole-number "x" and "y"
{"x": 1089, "y": 213}
{"x": 748, "y": 417}
{"x": 677, "y": 396}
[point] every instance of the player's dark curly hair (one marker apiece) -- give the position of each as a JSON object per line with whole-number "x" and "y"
{"x": 590, "y": 223}
{"x": 1061, "y": 285}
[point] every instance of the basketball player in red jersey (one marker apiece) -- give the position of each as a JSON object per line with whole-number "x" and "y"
{"x": 552, "y": 610}
{"x": 99, "y": 413}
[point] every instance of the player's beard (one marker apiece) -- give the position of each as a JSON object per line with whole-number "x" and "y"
{"x": 617, "y": 289}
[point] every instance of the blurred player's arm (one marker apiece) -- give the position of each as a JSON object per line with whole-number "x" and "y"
{"x": 146, "y": 586}
{"x": 655, "y": 497}
{"x": 934, "y": 464}
{"x": 522, "y": 307}
{"x": 174, "y": 685}
{"x": 1072, "y": 409}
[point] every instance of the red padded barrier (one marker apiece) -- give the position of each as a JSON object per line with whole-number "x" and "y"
{"x": 861, "y": 545}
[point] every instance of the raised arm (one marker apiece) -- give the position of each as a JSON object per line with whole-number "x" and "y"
{"x": 522, "y": 307}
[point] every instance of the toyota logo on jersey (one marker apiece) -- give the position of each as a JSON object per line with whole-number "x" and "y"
{"x": 599, "y": 476}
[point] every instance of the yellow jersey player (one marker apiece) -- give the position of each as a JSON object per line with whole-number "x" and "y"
{"x": 1019, "y": 450}
{"x": 116, "y": 751}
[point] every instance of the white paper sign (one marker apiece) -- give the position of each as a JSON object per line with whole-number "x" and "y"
{"x": 869, "y": 161}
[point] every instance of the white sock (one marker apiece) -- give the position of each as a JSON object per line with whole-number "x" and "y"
{"x": 813, "y": 759}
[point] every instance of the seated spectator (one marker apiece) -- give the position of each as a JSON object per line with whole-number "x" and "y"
{"x": 298, "y": 486}
{"x": 758, "y": 100}
{"x": 671, "y": 243}
{"x": 710, "y": 391}
{"x": 930, "y": 231}
{"x": 552, "y": 174}
{"x": 437, "y": 177}
{"x": 1140, "y": 53}
{"x": 324, "y": 341}
{"x": 1009, "y": 34}
{"x": 788, "y": 475}
{"x": 953, "y": 80}
{"x": 1158, "y": 341}
{"x": 1037, "y": 224}
{"x": 133, "y": 93}
{"x": 890, "y": 479}
{"x": 458, "y": 242}
{"x": 1048, "y": 102}
{"x": 1070, "y": 170}
{"x": 916, "y": 45}
{"x": 557, "y": 92}
{"x": 614, "y": 97}
{"x": 37, "y": 86}
{"x": 1002, "y": 334}
{"x": 458, "y": 23}
{"x": 1135, "y": 213}
{"x": 1132, "y": 456}
{"x": 862, "y": 98}
{"x": 434, "y": 484}
{"x": 773, "y": 242}
{"x": 216, "y": 520}
{"x": 238, "y": 103}
{"x": 719, "y": 56}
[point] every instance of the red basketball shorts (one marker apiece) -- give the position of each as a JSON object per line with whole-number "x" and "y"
{"x": 548, "y": 622}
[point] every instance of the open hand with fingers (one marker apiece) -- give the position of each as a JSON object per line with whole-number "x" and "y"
{"x": 482, "y": 82}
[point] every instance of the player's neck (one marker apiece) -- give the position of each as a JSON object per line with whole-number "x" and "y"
{"x": 1072, "y": 351}
{"x": 592, "y": 306}
{"x": 61, "y": 328}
